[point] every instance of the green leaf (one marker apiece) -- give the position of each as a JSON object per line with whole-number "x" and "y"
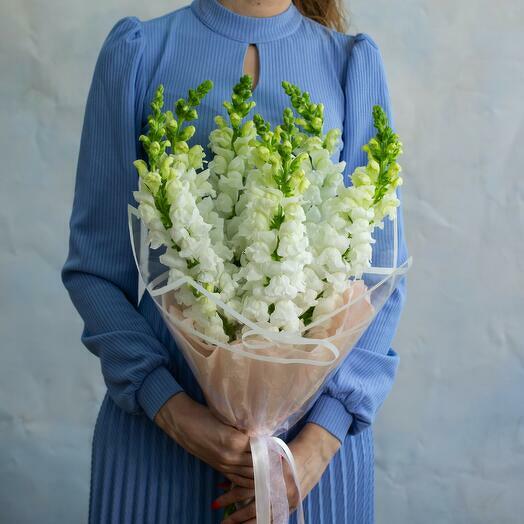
{"x": 229, "y": 327}
{"x": 307, "y": 316}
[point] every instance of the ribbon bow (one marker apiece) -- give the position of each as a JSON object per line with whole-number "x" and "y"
{"x": 270, "y": 487}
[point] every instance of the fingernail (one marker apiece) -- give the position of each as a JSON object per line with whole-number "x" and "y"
{"x": 215, "y": 504}
{"x": 224, "y": 485}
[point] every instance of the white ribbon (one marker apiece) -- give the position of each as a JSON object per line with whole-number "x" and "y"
{"x": 272, "y": 506}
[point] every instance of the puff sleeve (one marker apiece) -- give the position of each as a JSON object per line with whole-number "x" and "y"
{"x": 99, "y": 273}
{"x": 353, "y": 395}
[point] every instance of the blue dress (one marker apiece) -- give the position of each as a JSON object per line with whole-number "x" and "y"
{"x": 138, "y": 474}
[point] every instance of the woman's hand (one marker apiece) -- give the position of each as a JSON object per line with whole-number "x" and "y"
{"x": 199, "y": 432}
{"x": 313, "y": 448}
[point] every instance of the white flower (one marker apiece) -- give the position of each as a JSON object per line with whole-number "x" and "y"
{"x": 224, "y": 203}
{"x": 260, "y": 251}
{"x": 255, "y": 310}
{"x": 234, "y": 229}
{"x": 280, "y": 287}
{"x": 327, "y": 305}
{"x": 286, "y": 316}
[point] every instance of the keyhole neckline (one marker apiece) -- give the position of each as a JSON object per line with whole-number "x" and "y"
{"x": 246, "y": 29}
{"x": 257, "y": 64}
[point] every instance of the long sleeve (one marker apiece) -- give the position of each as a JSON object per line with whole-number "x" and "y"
{"x": 353, "y": 395}
{"x": 99, "y": 273}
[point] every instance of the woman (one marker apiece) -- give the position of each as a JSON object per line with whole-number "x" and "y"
{"x": 158, "y": 453}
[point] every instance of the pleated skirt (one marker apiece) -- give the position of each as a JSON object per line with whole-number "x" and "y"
{"x": 139, "y": 475}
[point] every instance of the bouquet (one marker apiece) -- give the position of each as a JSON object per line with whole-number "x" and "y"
{"x": 259, "y": 260}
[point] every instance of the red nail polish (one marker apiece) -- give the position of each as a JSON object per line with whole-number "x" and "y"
{"x": 215, "y": 504}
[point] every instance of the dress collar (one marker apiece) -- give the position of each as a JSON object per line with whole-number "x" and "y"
{"x": 248, "y": 29}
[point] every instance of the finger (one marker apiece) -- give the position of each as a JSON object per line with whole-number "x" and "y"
{"x": 237, "y": 494}
{"x": 235, "y": 441}
{"x": 243, "y": 482}
{"x": 242, "y": 515}
{"x": 241, "y": 471}
{"x": 238, "y": 459}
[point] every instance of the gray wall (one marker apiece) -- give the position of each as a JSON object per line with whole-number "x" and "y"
{"x": 450, "y": 439}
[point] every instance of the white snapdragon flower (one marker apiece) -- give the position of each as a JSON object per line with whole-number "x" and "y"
{"x": 261, "y": 204}
{"x": 172, "y": 259}
{"x": 190, "y": 232}
{"x": 157, "y": 235}
{"x": 254, "y": 309}
{"x": 286, "y": 316}
{"x": 360, "y": 246}
{"x": 216, "y": 235}
{"x": 206, "y": 320}
{"x": 328, "y": 303}
{"x": 386, "y": 207}
{"x": 230, "y": 165}
{"x": 280, "y": 287}
{"x": 260, "y": 251}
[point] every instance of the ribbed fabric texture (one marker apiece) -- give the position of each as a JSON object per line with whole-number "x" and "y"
{"x": 138, "y": 475}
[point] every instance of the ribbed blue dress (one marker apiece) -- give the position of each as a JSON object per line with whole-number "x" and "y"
{"x": 138, "y": 474}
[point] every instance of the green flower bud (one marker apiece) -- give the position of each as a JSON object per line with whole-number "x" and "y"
{"x": 141, "y": 167}
{"x": 394, "y": 170}
{"x": 165, "y": 164}
{"x": 153, "y": 181}
{"x": 154, "y": 148}
{"x": 220, "y": 121}
{"x": 187, "y": 133}
{"x": 247, "y": 128}
{"x": 263, "y": 153}
{"x": 332, "y": 139}
{"x": 300, "y": 122}
{"x": 373, "y": 167}
{"x": 236, "y": 119}
{"x": 316, "y": 123}
{"x": 286, "y": 148}
{"x": 299, "y": 181}
{"x": 196, "y": 156}
{"x": 192, "y": 114}
{"x": 181, "y": 147}
{"x": 205, "y": 87}
{"x": 275, "y": 159}
{"x": 171, "y": 122}
{"x": 299, "y": 139}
